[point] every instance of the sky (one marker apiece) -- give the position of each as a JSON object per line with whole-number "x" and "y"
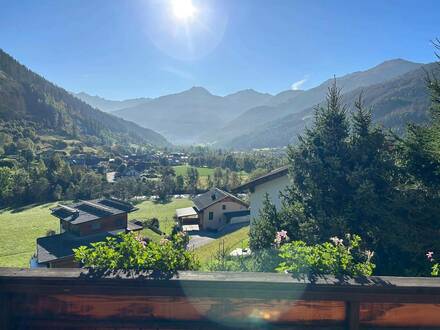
{"x": 121, "y": 49}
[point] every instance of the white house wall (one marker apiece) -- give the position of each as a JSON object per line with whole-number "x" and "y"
{"x": 273, "y": 188}
{"x": 219, "y": 220}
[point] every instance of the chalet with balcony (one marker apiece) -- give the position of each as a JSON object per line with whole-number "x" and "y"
{"x": 81, "y": 224}
{"x": 213, "y": 210}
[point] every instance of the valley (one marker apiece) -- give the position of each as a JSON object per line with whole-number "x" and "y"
{"x": 196, "y": 116}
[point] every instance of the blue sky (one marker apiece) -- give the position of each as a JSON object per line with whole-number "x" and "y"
{"x": 132, "y": 48}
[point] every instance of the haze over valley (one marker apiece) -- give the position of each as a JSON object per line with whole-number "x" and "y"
{"x": 249, "y": 119}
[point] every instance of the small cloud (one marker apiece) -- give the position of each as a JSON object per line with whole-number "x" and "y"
{"x": 177, "y": 72}
{"x": 297, "y": 84}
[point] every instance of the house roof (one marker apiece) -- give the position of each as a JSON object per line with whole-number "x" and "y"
{"x": 85, "y": 211}
{"x": 60, "y": 246}
{"x": 133, "y": 226}
{"x": 211, "y": 197}
{"x": 279, "y": 172}
{"x": 186, "y": 212}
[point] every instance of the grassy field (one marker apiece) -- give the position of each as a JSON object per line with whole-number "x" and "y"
{"x": 19, "y": 229}
{"x": 164, "y": 212}
{"x": 232, "y": 241}
{"x": 203, "y": 171}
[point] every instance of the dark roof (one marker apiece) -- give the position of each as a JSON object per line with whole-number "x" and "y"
{"x": 234, "y": 214}
{"x": 91, "y": 210}
{"x": 210, "y": 197}
{"x": 60, "y": 246}
{"x": 134, "y": 226}
{"x": 279, "y": 172}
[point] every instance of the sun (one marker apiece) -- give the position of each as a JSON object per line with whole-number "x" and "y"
{"x": 183, "y": 9}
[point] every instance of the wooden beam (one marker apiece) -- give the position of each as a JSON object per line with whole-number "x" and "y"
{"x": 352, "y": 315}
{"x": 51, "y": 298}
{"x": 5, "y": 311}
{"x": 225, "y": 284}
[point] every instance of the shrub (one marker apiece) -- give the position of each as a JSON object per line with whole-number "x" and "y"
{"x": 131, "y": 252}
{"x": 153, "y": 222}
{"x": 435, "y": 266}
{"x": 335, "y": 258}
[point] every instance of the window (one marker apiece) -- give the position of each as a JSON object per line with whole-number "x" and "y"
{"x": 224, "y": 207}
{"x": 211, "y": 215}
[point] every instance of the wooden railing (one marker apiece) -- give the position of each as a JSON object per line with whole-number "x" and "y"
{"x": 74, "y": 299}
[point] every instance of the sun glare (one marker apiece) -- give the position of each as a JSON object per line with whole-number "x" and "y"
{"x": 183, "y": 9}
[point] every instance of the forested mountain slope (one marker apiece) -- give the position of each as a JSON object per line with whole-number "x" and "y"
{"x": 394, "y": 103}
{"x": 264, "y": 114}
{"x": 109, "y": 105}
{"x": 28, "y": 99}
{"x": 186, "y": 116}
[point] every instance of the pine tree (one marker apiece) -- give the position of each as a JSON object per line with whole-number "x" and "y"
{"x": 319, "y": 164}
{"x": 372, "y": 178}
{"x": 421, "y": 147}
{"x": 264, "y": 228}
{"x": 192, "y": 177}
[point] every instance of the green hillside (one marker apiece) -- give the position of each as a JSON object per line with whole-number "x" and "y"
{"x": 394, "y": 104}
{"x": 29, "y": 100}
{"x": 33, "y": 221}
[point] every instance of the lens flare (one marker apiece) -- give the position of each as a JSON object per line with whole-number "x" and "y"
{"x": 183, "y": 9}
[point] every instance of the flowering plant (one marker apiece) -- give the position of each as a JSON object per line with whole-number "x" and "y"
{"x": 435, "y": 268}
{"x": 280, "y": 238}
{"x": 132, "y": 252}
{"x": 335, "y": 258}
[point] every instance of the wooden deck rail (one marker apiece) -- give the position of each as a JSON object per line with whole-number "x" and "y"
{"x": 73, "y": 299}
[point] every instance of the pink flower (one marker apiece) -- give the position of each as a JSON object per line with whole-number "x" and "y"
{"x": 164, "y": 241}
{"x": 281, "y": 237}
{"x": 369, "y": 254}
{"x": 336, "y": 240}
{"x": 141, "y": 240}
{"x": 429, "y": 255}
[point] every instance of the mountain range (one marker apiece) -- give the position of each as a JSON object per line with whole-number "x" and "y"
{"x": 264, "y": 115}
{"x": 394, "y": 103}
{"x": 186, "y": 117}
{"x": 109, "y": 105}
{"x": 27, "y": 99}
{"x": 395, "y": 89}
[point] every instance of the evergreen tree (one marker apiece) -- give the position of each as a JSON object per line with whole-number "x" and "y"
{"x": 319, "y": 165}
{"x": 218, "y": 177}
{"x": 421, "y": 146}
{"x": 180, "y": 184}
{"x": 192, "y": 176}
{"x": 373, "y": 177}
{"x": 264, "y": 228}
{"x": 6, "y": 184}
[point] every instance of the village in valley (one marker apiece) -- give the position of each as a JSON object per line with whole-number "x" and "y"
{"x": 219, "y": 164}
{"x": 212, "y": 217}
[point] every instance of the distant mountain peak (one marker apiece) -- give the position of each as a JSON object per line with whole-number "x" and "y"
{"x": 395, "y": 62}
{"x": 107, "y": 105}
{"x": 247, "y": 91}
{"x": 199, "y": 90}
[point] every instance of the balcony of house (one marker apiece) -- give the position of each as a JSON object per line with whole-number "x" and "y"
{"x": 76, "y": 299}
